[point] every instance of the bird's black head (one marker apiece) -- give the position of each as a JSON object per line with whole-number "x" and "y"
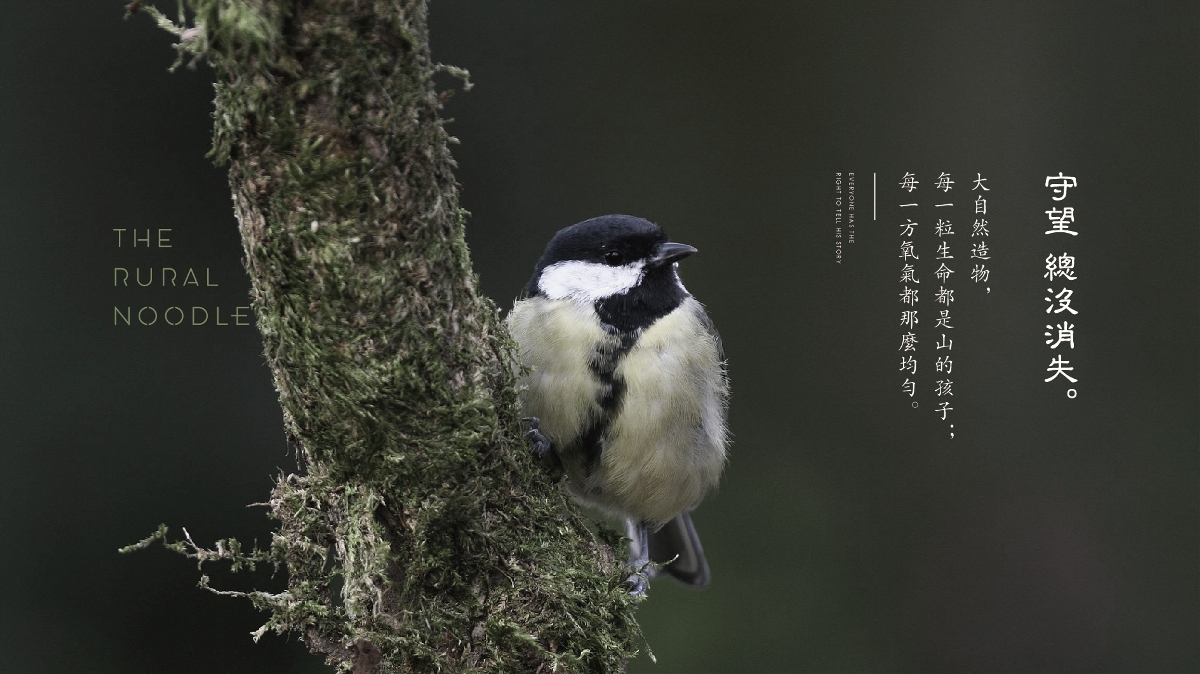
{"x": 622, "y": 264}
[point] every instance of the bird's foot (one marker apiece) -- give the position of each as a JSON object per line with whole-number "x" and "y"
{"x": 637, "y": 584}
{"x": 539, "y": 444}
{"x": 639, "y": 557}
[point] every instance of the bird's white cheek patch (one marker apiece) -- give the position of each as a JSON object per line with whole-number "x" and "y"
{"x": 588, "y": 281}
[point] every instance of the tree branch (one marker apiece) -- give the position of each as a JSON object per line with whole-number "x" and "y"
{"x": 452, "y": 548}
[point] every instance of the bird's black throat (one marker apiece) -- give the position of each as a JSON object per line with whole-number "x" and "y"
{"x": 657, "y": 295}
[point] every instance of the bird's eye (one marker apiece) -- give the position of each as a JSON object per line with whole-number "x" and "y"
{"x": 613, "y": 258}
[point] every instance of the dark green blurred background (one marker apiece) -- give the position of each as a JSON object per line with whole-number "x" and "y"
{"x": 851, "y": 533}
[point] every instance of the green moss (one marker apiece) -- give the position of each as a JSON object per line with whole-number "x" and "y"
{"x": 451, "y": 547}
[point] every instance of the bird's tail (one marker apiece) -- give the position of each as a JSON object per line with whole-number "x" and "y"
{"x": 677, "y": 541}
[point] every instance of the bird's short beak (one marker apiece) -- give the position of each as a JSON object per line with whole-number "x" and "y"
{"x": 671, "y": 252}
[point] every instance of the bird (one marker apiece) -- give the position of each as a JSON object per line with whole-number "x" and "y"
{"x": 624, "y": 384}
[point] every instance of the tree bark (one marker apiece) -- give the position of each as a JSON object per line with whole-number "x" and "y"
{"x": 421, "y": 534}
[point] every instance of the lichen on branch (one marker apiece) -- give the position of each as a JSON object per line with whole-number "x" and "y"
{"x": 451, "y": 547}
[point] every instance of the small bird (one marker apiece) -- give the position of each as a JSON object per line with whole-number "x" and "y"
{"x": 626, "y": 385}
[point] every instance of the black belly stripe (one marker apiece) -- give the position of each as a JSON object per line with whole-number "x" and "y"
{"x": 604, "y": 366}
{"x": 625, "y": 317}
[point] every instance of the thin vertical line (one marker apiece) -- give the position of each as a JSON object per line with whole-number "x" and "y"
{"x": 873, "y": 218}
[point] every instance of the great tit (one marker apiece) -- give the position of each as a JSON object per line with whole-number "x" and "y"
{"x": 625, "y": 385}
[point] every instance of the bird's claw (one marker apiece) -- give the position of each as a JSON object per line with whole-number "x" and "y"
{"x": 539, "y": 444}
{"x": 637, "y": 584}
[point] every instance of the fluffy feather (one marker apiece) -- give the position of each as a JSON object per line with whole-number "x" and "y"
{"x": 665, "y": 449}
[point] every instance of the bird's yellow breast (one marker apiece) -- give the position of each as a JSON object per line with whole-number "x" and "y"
{"x": 557, "y": 341}
{"x": 663, "y": 446}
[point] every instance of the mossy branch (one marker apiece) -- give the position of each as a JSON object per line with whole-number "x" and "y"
{"x": 453, "y": 549}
